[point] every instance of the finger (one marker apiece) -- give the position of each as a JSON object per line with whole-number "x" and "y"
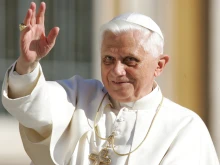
{"x": 33, "y": 17}
{"x": 41, "y": 12}
{"x": 23, "y": 33}
{"x": 51, "y": 38}
{"x": 27, "y": 18}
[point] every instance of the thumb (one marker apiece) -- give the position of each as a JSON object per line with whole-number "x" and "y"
{"x": 51, "y": 38}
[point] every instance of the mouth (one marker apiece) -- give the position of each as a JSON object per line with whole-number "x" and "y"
{"x": 119, "y": 82}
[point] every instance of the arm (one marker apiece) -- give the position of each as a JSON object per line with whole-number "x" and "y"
{"x": 24, "y": 88}
{"x": 28, "y": 101}
{"x": 46, "y": 108}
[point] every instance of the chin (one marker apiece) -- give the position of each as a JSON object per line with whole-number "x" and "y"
{"x": 121, "y": 97}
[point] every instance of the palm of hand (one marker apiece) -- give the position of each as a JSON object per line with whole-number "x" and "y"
{"x": 34, "y": 44}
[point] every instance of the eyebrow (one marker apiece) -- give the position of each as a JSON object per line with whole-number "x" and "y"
{"x": 123, "y": 56}
{"x": 134, "y": 56}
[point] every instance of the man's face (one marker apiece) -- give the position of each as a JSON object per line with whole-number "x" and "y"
{"x": 127, "y": 70}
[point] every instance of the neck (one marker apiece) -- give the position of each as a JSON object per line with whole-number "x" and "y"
{"x": 130, "y": 104}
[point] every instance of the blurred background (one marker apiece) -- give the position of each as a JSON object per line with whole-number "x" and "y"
{"x": 191, "y": 31}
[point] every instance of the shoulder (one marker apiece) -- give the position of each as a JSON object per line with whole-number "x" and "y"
{"x": 186, "y": 135}
{"x": 82, "y": 90}
{"x": 179, "y": 117}
{"x": 181, "y": 123}
{"x": 78, "y": 83}
{"x": 176, "y": 110}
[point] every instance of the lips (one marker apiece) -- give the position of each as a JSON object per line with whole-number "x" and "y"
{"x": 120, "y": 82}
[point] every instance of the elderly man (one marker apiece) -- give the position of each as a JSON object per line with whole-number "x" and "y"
{"x": 80, "y": 122}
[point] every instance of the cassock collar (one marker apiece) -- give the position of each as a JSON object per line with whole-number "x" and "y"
{"x": 147, "y": 102}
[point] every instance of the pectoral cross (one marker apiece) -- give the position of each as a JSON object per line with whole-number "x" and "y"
{"x": 102, "y": 157}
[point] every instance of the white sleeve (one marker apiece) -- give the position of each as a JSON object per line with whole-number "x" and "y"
{"x": 22, "y": 85}
{"x": 20, "y": 97}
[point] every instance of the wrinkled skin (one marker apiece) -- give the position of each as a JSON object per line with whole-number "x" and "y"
{"x": 128, "y": 71}
{"x": 34, "y": 44}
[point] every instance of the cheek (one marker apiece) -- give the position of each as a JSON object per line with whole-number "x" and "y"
{"x": 135, "y": 73}
{"x": 105, "y": 69}
{"x": 104, "y": 73}
{"x": 147, "y": 69}
{"x": 141, "y": 75}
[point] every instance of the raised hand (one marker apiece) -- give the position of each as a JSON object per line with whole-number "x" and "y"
{"x": 34, "y": 45}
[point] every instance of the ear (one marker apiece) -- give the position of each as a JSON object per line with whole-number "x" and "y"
{"x": 161, "y": 63}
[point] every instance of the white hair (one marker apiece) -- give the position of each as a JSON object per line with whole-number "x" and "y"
{"x": 153, "y": 45}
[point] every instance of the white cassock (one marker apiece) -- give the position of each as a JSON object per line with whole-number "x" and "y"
{"x": 57, "y": 120}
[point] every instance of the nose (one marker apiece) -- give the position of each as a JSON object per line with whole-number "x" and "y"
{"x": 118, "y": 69}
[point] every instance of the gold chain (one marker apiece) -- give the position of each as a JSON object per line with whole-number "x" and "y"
{"x": 107, "y": 138}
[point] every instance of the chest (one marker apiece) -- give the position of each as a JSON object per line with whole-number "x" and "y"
{"x": 133, "y": 139}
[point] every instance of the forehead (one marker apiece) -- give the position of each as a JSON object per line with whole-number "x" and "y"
{"x": 128, "y": 37}
{"x": 130, "y": 40}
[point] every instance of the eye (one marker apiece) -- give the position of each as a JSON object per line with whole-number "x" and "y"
{"x": 108, "y": 60}
{"x": 130, "y": 61}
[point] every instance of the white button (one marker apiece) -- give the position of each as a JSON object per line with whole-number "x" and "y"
{"x": 121, "y": 119}
{"x": 116, "y": 133}
{"x": 125, "y": 109}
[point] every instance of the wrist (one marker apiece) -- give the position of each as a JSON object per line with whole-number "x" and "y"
{"x": 22, "y": 67}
